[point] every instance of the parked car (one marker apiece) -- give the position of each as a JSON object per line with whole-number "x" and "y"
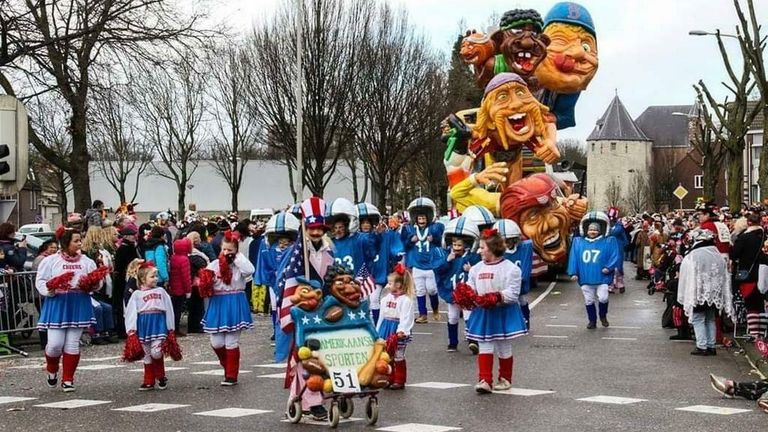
{"x": 35, "y": 228}
{"x": 33, "y": 247}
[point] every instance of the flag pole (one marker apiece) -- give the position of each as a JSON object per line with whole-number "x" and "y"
{"x": 305, "y": 247}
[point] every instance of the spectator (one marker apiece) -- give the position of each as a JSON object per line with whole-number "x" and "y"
{"x": 13, "y": 254}
{"x": 202, "y": 245}
{"x": 180, "y": 283}
{"x": 752, "y": 390}
{"x": 94, "y": 216}
{"x": 48, "y": 248}
{"x": 126, "y": 253}
{"x": 156, "y": 251}
{"x": 216, "y": 242}
{"x": 747, "y": 255}
{"x": 197, "y": 260}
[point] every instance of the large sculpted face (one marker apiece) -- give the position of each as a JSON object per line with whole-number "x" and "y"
{"x": 571, "y": 60}
{"x": 524, "y": 48}
{"x": 547, "y": 227}
{"x": 346, "y": 290}
{"x": 476, "y": 48}
{"x": 513, "y": 112}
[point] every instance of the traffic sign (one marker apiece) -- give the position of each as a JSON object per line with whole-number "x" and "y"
{"x": 14, "y": 145}
{"x": 680, "y": 192}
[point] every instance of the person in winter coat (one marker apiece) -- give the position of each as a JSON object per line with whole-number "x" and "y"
{"x": 156, "y": 250}
{"x": 203, "y": 245}
{"x": 197, "y": 260}
{"x": 94, "y": 216}
{"x": 126, "y": 253}
{"x": 747, "y": 256}
{"x": 180, "y": 283}
{"x": 12, "y": 254}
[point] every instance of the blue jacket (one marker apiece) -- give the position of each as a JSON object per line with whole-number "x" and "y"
{"x": 620, "y": 234}
{"x": 423, "y": 254}
{"x": 390, "y": 252}
{"x": 449, "y": 274}
{"x": 254, "y": 250}
{"x": 14, "y": 257}
{"x": 157, "y": 252}
{"x": 356, "y": 249}
{"x": 588, "y": 258}
{"x": 269, "y": 262}
{"x": 523, "y": 258}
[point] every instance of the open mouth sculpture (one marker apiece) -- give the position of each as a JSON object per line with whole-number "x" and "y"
{"x": 519, "y": 123}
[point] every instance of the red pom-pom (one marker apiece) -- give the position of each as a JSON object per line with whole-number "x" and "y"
{"x": 205, "y": 286}
{"x": 171, "y": 346}
{"x": 62, "y": 282}
{"x": 391, "y": 345}
{"x": 488, "y": 300}
{"x": 225, "y": 271}
{"x": 92, "y": 280}
{"x": 464, "y": 296}
{"x": 133, "y": 350}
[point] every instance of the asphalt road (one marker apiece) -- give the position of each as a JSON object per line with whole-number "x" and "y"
{"x": 631, "y": 375}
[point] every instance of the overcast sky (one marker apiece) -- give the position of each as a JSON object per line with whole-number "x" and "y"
{"x": 644, "y": 48}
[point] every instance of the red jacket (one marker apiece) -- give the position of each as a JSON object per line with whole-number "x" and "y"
{"x": 180, "y": 276}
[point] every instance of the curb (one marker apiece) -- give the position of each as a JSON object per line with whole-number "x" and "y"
{"x": 753, "y": 356}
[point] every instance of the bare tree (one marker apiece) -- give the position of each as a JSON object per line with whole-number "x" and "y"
{"x": 636, "y": 197}
{"x": 64, "y": 46}
{"x": 331, "y": 30}
{"x": 236, "y": 131}
{"x": 572, "y": 150}
{"x": 664, "y": 181}
{"x": 170, "y": 104}
{"x": 613, "y": 193}
{"x": 119, "y": 152}
{"x": 705, "y": 140}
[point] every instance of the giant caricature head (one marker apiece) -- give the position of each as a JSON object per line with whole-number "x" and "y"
{"x": 341, "y": 284}
{"x": 571, "y": 61}
{"x": 476, "y": 48}
{"x": 520, "y": 40}
{"x": 510, "y": 110}
{"x": 533, "y": 203}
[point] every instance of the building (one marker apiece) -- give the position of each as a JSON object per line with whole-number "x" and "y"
{"x": 753, "y": 147}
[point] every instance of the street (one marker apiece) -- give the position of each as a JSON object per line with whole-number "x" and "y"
{"x": 626, "y": 377}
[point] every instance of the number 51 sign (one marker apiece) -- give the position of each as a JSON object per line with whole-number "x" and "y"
{"x": 345, "y": 380}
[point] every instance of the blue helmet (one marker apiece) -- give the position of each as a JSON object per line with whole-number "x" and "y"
{"x": 368, "y": 211}
{"x": 570, "y": 13}
{"x": 480, "y": 215}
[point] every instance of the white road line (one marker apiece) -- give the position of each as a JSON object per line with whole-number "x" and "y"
{"x": 73, "y": 403}
{"x": 550, "y": 336}
{"x": 619, "y": 338}
{"x": 706, "y": 409}
{"x": 541, "y": 297}
{"x": 563, "y": 325}
{"x": 13, "y": 399}
{"x": 626, "y": 327}
{"x": 611, "y": 400}
{"x": 418, "y": 427}
{"x": 421, "y": 333}
{"x": 231, "y": 412}
{"x": 272, "y": 365}
{"x": 218, "y": 372}
{"x": 523, "y": 392}
{"x": 438, "y": 385}
{"x": 98, "y": 359}
{"x": 150, "y": 407}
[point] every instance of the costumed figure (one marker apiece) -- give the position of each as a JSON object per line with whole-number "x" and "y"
{"x": 390, "y": 250}
{"x": 708, "y": 221}
{"x": 481, "y": 216}
{"x": 571, "y": 60}
{"x": 228, "y": 311}
{"x": 622, "y": 239}
{"x": 544, "y": 215}
{"x": 460, "y": 237}
{"x": 397, "y": 320}
{"x": 592, "y": 260}
{"x": 351, "y": 247}
{"x": 149, "y": 321}
{"x": 704, "y": 289}
{"x": 65, "y": 280}
{"x": 522, "y": 46}
{"x": 422, "y": 240}
{"x": 520, "y": 252}
{"x": 476, "y": 49}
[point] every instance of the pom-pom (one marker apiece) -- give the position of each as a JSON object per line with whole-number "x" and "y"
{"x": 61, "y": 282}
{"x": 231, "y": 236}
{"x": 92, "y": 280}
{"x": 391, "y": 347}
{"x": 205, "y": 286}
{"x": 171, "y": 346}
{"x": 133, "y": 350}
{"x": 464, "y": 296}
{"x": 762, "y": 347}
{"x": 488, "y": 300}
{"x": 225, "y": 271}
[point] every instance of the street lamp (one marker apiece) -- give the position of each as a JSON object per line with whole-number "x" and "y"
{"x": 706, "y": 33}
{"x": 299, "y": 102}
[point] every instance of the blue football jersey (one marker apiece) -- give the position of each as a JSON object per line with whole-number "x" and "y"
{"x": 390, "y": 252}
{"x": 449, "y": 274}
{"x": 523, "y": 258}
{"x": 355, "y": 249}
{"x": 423, "y": 254}
{"x": 588, "y": 258}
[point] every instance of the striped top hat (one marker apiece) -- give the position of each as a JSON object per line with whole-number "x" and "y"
{"x": 313, "y": 209}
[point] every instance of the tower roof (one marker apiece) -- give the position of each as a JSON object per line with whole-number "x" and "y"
{"x": 667, "y": 125}
{"x": 616, "y": 124}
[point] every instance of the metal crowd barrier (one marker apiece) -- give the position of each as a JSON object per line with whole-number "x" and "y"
{"x": 19, "y": 308}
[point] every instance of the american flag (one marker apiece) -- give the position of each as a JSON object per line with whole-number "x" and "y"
{"x": 365, "y": 278}
{"x": 540, "y": 266}
{"x": 287, "y": 285}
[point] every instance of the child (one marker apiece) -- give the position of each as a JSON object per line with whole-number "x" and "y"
{"x": 397, "y": 319}
{"x": 131, "y": 285}
{"x": 149, "y": 315}
{"x": 180, "y": 282}
{"x": 422, "y": 242}
{"x": 591, "y": 262}
{"x": 228, "y": 311}
{"x": 520, "y": 252}
{"x": 460, "y": 237}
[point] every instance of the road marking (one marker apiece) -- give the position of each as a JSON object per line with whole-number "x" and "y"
{"x": 619, "y": 338}
{"x": 626, "y": 327}
{"x": 276, "y": 375}
{"x": 73, "y": 403}
{"x": 438, "y": 385}
{"x": 562, "y": 325}
{"x": 707, "y": 409}
{"x": 30, "y": 366}
{"x": 98, "y": 359}
{"x": 208, "y": 363}
{"x": 231, "y": 412}
{"x": 550, "y": 336}
{"x": 272, "y": 365}
{"x": 13, "y": 399}
{"x": 218, "y": 372}
{"x": 611, "y": 400}
{"x": 99, "y": 367}
{"x": 421, "y": 333}
{"x": 541, "y": 297}
{"x": 418, "y": 427}
{"x": 563, "y": 304}
{"x": 310, "y": 421}
{"x": 167, "y": 369}
{"x": 151, "y": 407}
{"x": 523, "y": 392}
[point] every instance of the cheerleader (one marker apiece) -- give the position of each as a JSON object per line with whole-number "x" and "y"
{"x": 494, "y": 286}
{"x": 228, "y": 311}
{"x": 67, "y": 309}
{"x": 397, "y": 319}
{"x": 149, "y": 316}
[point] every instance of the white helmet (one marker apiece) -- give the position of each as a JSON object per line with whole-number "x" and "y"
{"x": 508, "y": 229}
{"x": 597, "y": 217}
{"x": 343, "y": 209}
{"x": 424, "y": 206}
{"x": 282, "y": 224}
{"x": 461, "y": 227}
{"x": 368, "y": 211}
{"x": 479, "y": 215}
{"x": 295, "y": 210}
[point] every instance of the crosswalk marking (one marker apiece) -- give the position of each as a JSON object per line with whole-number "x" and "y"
{"x": 29, "y": 366}
{"x": 274, "y": 375}
{"x": 150, "y": 407}
{"x": 626, "y": 327}
{"x": 167, "y": 369}
{"x": 619, "y": 338}
{"x": 217, "y": 372}
{"x": 98, "y": 359}
{"x": 272, "y": 365}
{"x": 208, "y": 363}
{"x": 550, "y": 336}
{"x": 73, "y": 403}
{"x": 438, "y": 385}
{"x": 523, "y": 392}
{"x": 611, "y": 400}
{"x": 232, "y": 412}
{"x": 310, "y": 421}
{"x": 563, "y": 325}
{"x": 99, "y": 367}
{"x": 418, "y": 427}
{"x": 12, "y": 399}
{"x": 707, "y": 409}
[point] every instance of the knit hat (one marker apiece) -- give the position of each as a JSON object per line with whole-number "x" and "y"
{"x": 501, "y": 79}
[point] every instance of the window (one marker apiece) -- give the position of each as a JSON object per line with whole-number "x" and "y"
{"x": 626, "y": 148}
{"x": 593, "y": 147}
{"x": 601, "y": 148}
{"x": 698, "y": 182}
{"x": 613, "y": 146}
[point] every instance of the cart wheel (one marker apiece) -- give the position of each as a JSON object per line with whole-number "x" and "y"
{"x": 333, "y": 415}
{"x": 294, "y": 410}
{"x": 347, "y": 407}
{"x": 372, "y": 411}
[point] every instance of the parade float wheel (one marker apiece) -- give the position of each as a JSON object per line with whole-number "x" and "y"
{"x": 347, "y": 407}
{"x": 333, "y": 415}
{"x": 372, "y": 411}
{"x": 294, "y": 411}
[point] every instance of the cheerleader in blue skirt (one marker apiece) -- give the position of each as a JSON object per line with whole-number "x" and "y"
{"x": 67, "y": 309}
{"x": 498, "y": 319}
{"x": 397, "y": 319}
{"x": 228, "y": 311}
{"x": 149, "y": 314}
